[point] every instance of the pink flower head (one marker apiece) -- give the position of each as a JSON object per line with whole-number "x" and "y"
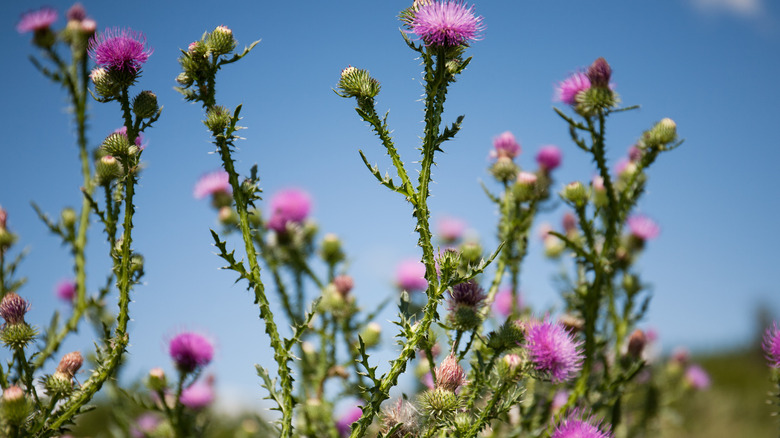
{"x": 502, "y": 304}
{"x": 145, "y": 425}
{"x": 697, "y": 377}
{"x": 121, "y": 50}
{"x": 446, "y": 23}
{"x": 76, "y": 12}
{"x": 569, "y": 222}
{"x": 288, "y": 206}
{"x": 212, "y": 183}
{"x": 643, "y": 227}
{"x": 772, "y": 345}
{"x": 569, "y": 88}
{"x": 198, "y": 395}
{"x": 559, "y": 400}
{"x": 634, "y": 154}
{"x": 38, "y": 20}
{"x": 549, "y": 157}
{"x": 346, "y": 419}
{"x": 427, "y": 380}
{"x": 553, "y": 350}
{"x": 575, "y": 425}
{"x": 139, "y": 139}
{"x": 451, "y": 229}
{"x": 506, "y": 145}
{"x": 410, "y": 276}
{"x": 66, "y": 290}
{"x": 191, "y": 351}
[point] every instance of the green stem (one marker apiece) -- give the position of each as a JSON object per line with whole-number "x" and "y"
{"x": 485, "y": 414}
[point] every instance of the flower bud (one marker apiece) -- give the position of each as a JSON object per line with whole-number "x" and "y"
{"x": 107, "y": 169}
{"x": 450, "y": 375}
{"x": 599, "y": 191}
{"x": 465, "y": 301}
{"x": 509, "y": 335}
{"x": 553, "y": 246}
{"x": 3, "y": 218}
{"x": 145, "y": 104}
{"x": 504, "y": 169}
{"x": 510, "y": 366}
{"x": 227, "y": 216}
{"x": 663, "y": 133}
{"x": 371, "y": 334}
{"x": 344, "y": 284}
{"x": 330, "y": 249}
{"x": 221, "y": 41}
{"x": 156, "y": 380}
{"x": 184, "y": 79}
{"x": 575, "y": 193}
{"x": 636, "y": 343}
{"x": 569, "y": 223}
{"x": 68, "y": 217}
{"x": 105, "y": 85}
{"x": 70, "y": 364}
{"x": 217, "y": 119}
{"x": 599, "y": 73}
{"x": 16, "y": 407}
{"x": 116, "y": 144}
{"x": 525, "y": 188}
{"x": 439, "y": 404}
{"x": 358, "y": 83}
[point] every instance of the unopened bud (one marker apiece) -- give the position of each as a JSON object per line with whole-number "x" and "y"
{"x": 70, "y": 364}
{"x": 217, "y": 119}
{"x": 575, "y": 193}
{"x": 599, "y": 73}
{"x": 553, "y": 246}
{"x": 156, "y": 381}
{"x": 227, "y": 216}
{"x": 145, "y": 104}
{"x": 107, "y": 169}
{"x": 663, "y": 133}
{"x": 504, "y": 169}
{"x": 221, "y": 41}
{"x": 355, "y": 82}
{"x": 116, "y": 144}
{"x": 13, "y": 308}
{"x": 331, "y": 249}
{"x": 371, "y": 334}
{"x": 105, "y": 85}
{"x": 450, "y": 375}
{"x": 68, "y": 216}
{"x": 16, "y": 407}
{"x": 636, "y": 343}
{"x": 525, "y": 187}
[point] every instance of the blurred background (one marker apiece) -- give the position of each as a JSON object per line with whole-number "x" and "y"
{"x": 711, "y": 65}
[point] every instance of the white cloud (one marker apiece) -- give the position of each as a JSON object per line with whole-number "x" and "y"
{"x": 746, "y": 8}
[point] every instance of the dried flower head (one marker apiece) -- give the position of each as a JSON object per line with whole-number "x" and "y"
{"x": 575, "y": 425}
{"x": 37, "y": 20}
{"x": 446, "y": 23}
{"x": 450, "y": 375}
{"x": 410, "y": 275}
{"x": 212, "y": 183}
{"x": 404, "y": 413}
{"x": 120, "y": 50}
{"x": 288, "y": 206}
{"x": 13, "y": 308}
{"x": 190, "y": 351}
{"x": 642, "y": 227}
{"x": 772, "y": 345}
{"x": 553, "y": 350}
{"x": 569, "y": 88}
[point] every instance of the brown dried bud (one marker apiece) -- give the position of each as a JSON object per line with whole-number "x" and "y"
{"x": 636, "y": 343}
{"x": 70, "y": 364}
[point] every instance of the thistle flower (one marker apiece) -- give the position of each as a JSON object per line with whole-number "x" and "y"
{"x": 403, "y": 413}
{"x": 346, "y": 419}
{"x": 549, "y": 157}
{"x": 575, "y": 425}
{"x": 410, "y": 276}
{"x": 139, "y": 139}
{"x": 211, "y": 184}
{"x": 343, "y": 284}
{"x": 145, "y": 425}
{"x": 450, "y": 375}
{"x": 198, "y": 395}
{"x": 288, "y": 206}
{"x": 76, "y": 12}
{"x": 70, "y": 364}
{"x": 120, "y": 50}
{"x": 599, "y": 73}
{"x": 13, "y": 308}
{"x": 553, "y": 350}
{"x": 502, "y": 304}
{"x": 450, "y": 229}
{"x": 66, "y": 290}
{"x": 642, "y": 227}
{"x": 772, "y": 345}
{"x": 569, "y": 88}
{"x": 696, "y": 377}
{"x": 469, "y": 294}
{"x": 190, "y": 351}
{"x": 569, "y": 223}
{"x": 506, "y": 145}
{"x": 446, "y": 23}
{"x": 37, "y": 21}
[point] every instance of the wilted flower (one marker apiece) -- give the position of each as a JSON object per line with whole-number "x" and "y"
{"x": 569, "y": 88}
{"x": 553, "y": 350}
{"x": 198, "y": 395}
{"x": 120, "y": 50}
{"x": 38, "y": 20}
{"x": 66, "y": 290}
{"x": 288, "y": 206}
{"x": 403, "y": 413}
{"x": 410, "y": 275}
{"x": 642, "y": 227}
{"x": 506, "y": 145}
{"x": 212, "y": 183}
{"x": 772, "y": 345}
{"x": 549, "y": 157}
{"x": 346, "y": 419}
{"x": 576, "y": 426}
{"x": 696, "y": 377}
{"x": 190, "y": 351}
{"x": 446, "y": 23}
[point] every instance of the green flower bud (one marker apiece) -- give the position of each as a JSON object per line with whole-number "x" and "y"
{"x": 553, "y": 246}
{"x": 504, "y": 169}
{"x": 58, "y": 385}
{"x": 116, "y": 144}
{"x": 576, "y": 193}
{"x": 105, "y": 86}
{"x": 663, "y": 133}
{"x": 217, "y": 119}
{"x": 68, "y": 217}
{"x": 330, "y": 249}
{"x": 107, "y": 169}
{"x": 145, "y": 104}
{"x": 16, "y": 407}
{"x": 525, "y": 187}
{"x": 156, "y": 380}
{"x": 221, "y": 41}
{"x": 7, "y": 238}
{"x": 507, "y": 336}
{"x": 465, "y": 318}
{"x": 510, "y": 367}
{"x": 595, "y": 100}
{"x": 439, "y": 404}
{"x": 471, "y": 252}
{"x": 184, "y": 79}
{"x": 358, "y": 83}
{"x": 371, "y": 334}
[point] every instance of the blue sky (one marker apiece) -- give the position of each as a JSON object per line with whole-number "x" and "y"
{"x": 711, "y": 65}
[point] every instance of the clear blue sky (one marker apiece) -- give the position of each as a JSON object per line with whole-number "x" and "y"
{"x": 711, "y": 65}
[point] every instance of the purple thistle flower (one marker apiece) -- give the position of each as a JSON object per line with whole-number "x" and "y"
{"x": 410, "y": 275}
{"x": 642, "y": 227}
{"x": 13, "y": 308}
{"x": 697, "y": 377}
{"x": 76, "y": 12}
{"x": 469, "y": 294}
{"x": 506, "y": 145}
{"x": 553, "y": 350}
{"x": 66, "y": 290}
{"x": 190, "y": 351}
{"x": 289, "y": 205}
{"x": 346, "y": 419}
{"x": 450, "y": 229}
{"x": 145, "y": 425}
{"x": 576, "y": 426}
{"x": 549, "y": 157}
{"x": 198, "y": 395}
{"x": 38, "y": 20}
{"x": 121, "y": 50}
{"x": 446, "y": 23}
{"x": 569, "y": 88}
{"x": 212, "y": 183}
{"x": 772, "y": 345}
{"x": 502, "y": 304}
{"x": 139, "y": 139}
